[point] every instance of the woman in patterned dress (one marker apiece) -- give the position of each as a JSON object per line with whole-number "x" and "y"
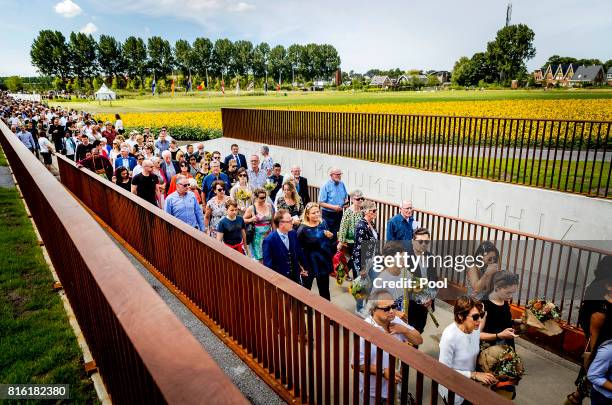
{"x": 259, "y": 214}
{"x": 215, "y": 208}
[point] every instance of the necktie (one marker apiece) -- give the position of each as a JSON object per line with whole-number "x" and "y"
{"x": 237, "y": 159}
{"x": 285, "y": 240}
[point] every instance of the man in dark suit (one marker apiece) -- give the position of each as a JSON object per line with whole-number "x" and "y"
{"x": 238, "y": 157}
{"x": 281, "y": 250}
{"x": 301, "y": 184}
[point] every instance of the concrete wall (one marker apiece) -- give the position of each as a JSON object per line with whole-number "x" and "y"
{"x": 543, "y": 212}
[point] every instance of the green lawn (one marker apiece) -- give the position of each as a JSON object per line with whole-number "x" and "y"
{"x": 564, "y": 176}
{"x": 37, "y": 344}
{"x": 214, "y": 101}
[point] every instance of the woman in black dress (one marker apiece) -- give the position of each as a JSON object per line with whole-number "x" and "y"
{"x": 496, "y": 328}
{"x": 315, "y": 239}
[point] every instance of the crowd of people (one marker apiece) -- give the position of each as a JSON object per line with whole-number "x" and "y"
{"x": 248, "y": 204}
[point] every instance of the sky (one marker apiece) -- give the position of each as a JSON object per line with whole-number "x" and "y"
{"x": 383, "y": 34}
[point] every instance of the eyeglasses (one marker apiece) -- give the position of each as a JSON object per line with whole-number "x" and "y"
{"x": 389, "y": 308}
{"x": 242, "y": 175}
{"x": 263, "y": 197}
{"x": 183, "y": 184}
{"x": 359, "y": 199}
{"x": 140, "y": 158}
{"x": 476, "y": 317}
{"x": 219, "y": 189}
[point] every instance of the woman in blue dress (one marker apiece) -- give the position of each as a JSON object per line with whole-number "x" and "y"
{"x": 316, "y": 242}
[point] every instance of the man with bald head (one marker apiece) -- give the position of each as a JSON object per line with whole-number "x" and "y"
{"x": 257, "y": 177}
{"x": 402, "y": 225}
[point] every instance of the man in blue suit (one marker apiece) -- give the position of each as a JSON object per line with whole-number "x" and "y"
{"x": 281, "y": 250}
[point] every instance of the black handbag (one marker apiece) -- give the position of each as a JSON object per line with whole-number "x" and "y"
{"x": 250, "y": 229}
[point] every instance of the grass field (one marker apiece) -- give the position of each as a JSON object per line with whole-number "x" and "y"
{"x": 37, "y": 345}
{"x": 214, "y": 101}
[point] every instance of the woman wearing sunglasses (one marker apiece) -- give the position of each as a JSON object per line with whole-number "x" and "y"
{"x": 460, "y": 344}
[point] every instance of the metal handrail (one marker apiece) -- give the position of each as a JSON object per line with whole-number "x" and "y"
{"x": 143, "y": 352}
{"x": 283, "y": 327}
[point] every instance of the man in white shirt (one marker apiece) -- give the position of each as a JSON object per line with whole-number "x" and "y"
{"x": 382, "y": 316}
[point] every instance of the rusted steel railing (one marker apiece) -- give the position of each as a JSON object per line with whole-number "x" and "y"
{"x": 143, "y": 352}
{"x": 303, "y": 342}
{"x": 548, "y": 268}
{"x": 570, "y": 156}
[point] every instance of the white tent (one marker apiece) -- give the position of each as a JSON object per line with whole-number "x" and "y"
{"x": 105, "y": 93}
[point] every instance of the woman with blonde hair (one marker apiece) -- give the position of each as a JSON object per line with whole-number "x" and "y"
{"x": 290, "y": 200}
{"x": 315, "y": 239}
{"x": 260, "y": 214}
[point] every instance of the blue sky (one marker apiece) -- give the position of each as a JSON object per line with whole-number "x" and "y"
{"x": 384, "y": 34}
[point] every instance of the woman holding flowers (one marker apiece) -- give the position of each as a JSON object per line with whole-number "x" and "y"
{"x": 460, "y": 344}
{"x": 497, "y": 329}
{"x": 241, "y": 192}
{"x": 350, "y": 217}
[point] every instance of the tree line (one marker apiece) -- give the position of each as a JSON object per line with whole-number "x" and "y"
{"x": 503, "y": 60}
{"x": 135, "y": 60}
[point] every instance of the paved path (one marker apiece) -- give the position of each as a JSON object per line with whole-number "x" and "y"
{"x": 6, "y": 179}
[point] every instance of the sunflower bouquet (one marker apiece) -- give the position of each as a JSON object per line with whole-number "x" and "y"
{"x": 243, "y": 195}
{"x": 359, "y": 288}
{"x": 269, "y": 186}
{"x": 543, "y": 316}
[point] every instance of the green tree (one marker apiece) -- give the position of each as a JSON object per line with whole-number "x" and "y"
{"x": 483, "y": 69}
{"x": 608, "y": 65}
{"x": 222, "y": 54}
{"x": 161, "y": 61}
{"x": 261, "y": 55}
{"x": 14, "y": 83}
{"x": 280, "y": 67}
{"x": 202, "y": 51}
{"x": 83, "y": 50}
{"x": 50, "y": 55}
{"x": 110, "y": 57}
{"x": 558, "y": 60}
{"x": 462, "y": 72}
{"x": 184, "y": 56}
{"x": 511, "y": 48}
{"x": 328, "y": 61}
{"x": 134, "y": 53}
{"x": 242, "y": 58}
{"x": 310, "y": 61}
{"x": 432, "y": 80}
{"x": 294, "y": 57}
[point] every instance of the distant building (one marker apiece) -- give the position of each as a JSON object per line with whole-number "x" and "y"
{"x": 381, "y": 81}
{"x": 408, "y": 79}
{"x": 552, "y": 75}
{"x": 589, "y": 75}
{"x": 609, "y": 76}
{"x": 444, "y": 76}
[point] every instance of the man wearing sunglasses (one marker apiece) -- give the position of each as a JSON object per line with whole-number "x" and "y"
{"x": 382, "y": 316}
{"x": 183, "y": 204}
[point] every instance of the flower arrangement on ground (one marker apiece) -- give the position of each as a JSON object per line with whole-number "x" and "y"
{"x": 543, "y": 316}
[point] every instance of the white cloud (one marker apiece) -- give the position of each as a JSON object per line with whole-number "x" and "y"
{"x": 89, "y": 28}
{"x": 241, "y": 7}
{"x": 68, "y": 9}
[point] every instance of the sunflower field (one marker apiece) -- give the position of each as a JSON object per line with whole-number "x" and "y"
{"x": 202, "y": 125}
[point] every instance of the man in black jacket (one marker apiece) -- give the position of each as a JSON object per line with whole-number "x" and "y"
{"x": 56, "y": 133}
{"x": 302, "y": 184}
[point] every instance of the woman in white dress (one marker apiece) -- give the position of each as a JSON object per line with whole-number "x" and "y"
{"x": 460, "y": 344}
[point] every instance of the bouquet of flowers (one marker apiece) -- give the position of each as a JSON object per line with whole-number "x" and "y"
{"x": 340, "y": 265}
{"x": 243, "y": 195}
{"x": 505, "y": 364}
{"x": 359, "y": 288}
{"x": 269, "y": 186}
{"x": 542, "y": 315}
